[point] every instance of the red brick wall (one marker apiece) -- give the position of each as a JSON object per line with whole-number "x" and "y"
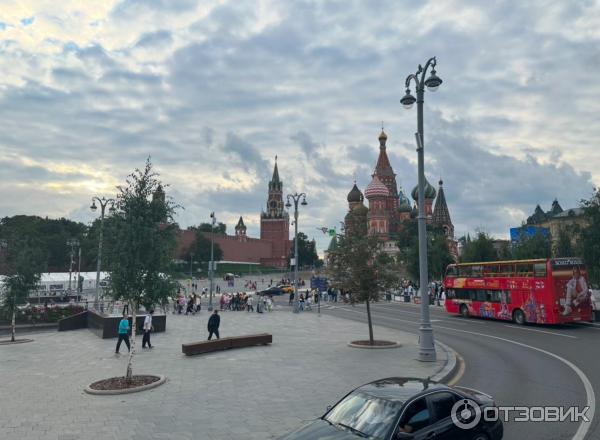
{"x": 252, "y": 250}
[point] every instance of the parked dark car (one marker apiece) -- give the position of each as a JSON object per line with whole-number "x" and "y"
{"x": 274, "y": 290}
{"x": 400, "y": 408}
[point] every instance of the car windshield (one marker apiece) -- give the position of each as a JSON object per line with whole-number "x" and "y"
{"x": 365, "y": 413}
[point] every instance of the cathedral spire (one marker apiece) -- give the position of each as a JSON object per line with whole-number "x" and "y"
{"x": 441, "y": 214}
{"x": 275, "y": 172}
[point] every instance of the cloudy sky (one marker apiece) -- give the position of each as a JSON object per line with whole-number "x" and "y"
{"x": 213, "y": 90}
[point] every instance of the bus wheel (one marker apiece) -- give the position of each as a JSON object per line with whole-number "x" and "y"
{"x": 464, "y": 311}
{"x": 519, "y": 317}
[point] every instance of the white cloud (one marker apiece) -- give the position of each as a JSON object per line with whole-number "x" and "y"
{"x": 213, "y": 90}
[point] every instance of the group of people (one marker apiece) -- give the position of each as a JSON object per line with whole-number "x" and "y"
{"x": 191, "y": 304}
{"x": 244, "y": 301}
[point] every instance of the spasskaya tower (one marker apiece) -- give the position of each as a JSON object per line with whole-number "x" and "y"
{"x": 275, "y": 223}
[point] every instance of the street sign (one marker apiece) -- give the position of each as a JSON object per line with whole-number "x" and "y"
{"x": 292, "y": 261}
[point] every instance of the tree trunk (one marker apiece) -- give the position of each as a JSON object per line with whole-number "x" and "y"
{"x": 371, "y": 341}
{"x": 133, "y": 307}
{"x": 12, "y": 326}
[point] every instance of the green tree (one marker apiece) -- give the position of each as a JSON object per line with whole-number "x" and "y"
{"x": 201, "y": 249}
{"x": 438, "y": 254}
{"x": 24, "y": 264}
{"x": 307, "y": 251}
{"x": 220, "y": 228}
{"x": 536, "y": 246}
{"x": 590, "y": 236}
{"x": 563, "y": 246}
{"x": 139, "y": 247}
{"x": 359, "y": 265}
{"x": 479, "y": 249}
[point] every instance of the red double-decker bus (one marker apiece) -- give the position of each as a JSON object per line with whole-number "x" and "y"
{"x": 544, "y": 291}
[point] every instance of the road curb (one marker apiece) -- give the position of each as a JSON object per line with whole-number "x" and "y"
{"x": 452, "y": 366}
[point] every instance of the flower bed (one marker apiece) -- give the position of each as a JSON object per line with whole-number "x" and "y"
{"x": 41, "y": 314}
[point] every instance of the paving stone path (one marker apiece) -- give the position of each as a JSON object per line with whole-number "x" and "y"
{"x": 251, "y": 393}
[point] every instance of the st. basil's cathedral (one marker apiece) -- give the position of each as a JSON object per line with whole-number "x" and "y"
{"x": 389, "y": 208}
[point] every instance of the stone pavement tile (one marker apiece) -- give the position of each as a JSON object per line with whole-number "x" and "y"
{"x": 266, "y": 390}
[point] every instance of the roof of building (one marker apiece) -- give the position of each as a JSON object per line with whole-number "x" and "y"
{"x": 240, "y": 224}
{"x": 539, "y": 216}
{"x": 403, "y": 202}
{"x": 275, "y": 177}
{"x": 332, "y": 244}
{"x": 355, "y": 196}
{"x": 430, "y": 192}
{"x": 383, "y": 167}
{"x": 376, "y": 189}
{"x": 441, "y": 214}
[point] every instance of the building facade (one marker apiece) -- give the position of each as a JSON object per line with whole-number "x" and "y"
{"x": 389, "y": 208}
{"x": 271, "y": 249}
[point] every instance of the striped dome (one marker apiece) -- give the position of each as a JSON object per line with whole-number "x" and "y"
{"x": 376, "y": 189}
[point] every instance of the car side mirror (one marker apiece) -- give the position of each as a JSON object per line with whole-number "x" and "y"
{"x": 403, "y": 436}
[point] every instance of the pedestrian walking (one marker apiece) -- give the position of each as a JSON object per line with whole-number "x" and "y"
{"x": 213, "y": 325}
{"x": 123, "y": 334}
{"x": 147, "y": 328}
{"x": 249, "y": 302}
{"x": 291, "y": 298}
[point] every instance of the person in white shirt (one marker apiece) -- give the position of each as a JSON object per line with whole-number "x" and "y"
{"x": 147, "y": 329}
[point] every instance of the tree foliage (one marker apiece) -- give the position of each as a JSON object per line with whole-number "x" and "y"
{"x": 139, "y": 246}
{"x": 25, "y": 260}
{"x": 438, "y": 254}
{"x": 479, "y": 249}
{"x": 590, "y": 236}
{"x": 564, "y": 246}
{"x": 51, "y": 236}
{"x": 220, "y": 228}
{"x": 201, "y": 249}
{"x": 307, "y": 251}
{"x": 359, "y": 265}
{"x": 535, "y": 246}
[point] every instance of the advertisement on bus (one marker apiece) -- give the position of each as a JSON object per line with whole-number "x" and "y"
{"x": 570, "y": 283}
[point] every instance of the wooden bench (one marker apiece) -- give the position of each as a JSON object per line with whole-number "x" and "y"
{"x": 226, "y": 343}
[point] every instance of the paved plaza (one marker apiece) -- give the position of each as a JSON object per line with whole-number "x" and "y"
{"x": 250, "y": 393}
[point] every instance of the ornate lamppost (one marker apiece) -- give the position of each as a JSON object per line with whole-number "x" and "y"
{"x": 426, "y": 340}
{"x": 296, "y": 198}
{"x": 103, "y": 202}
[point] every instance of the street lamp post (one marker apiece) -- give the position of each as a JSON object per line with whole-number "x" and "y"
{"x": 212, "y": 256}
{"x": 103, "y": 203}
{"x": 72, "y": 242}
{"x": 296, "y": 198}
{"x": 426, "y": 340}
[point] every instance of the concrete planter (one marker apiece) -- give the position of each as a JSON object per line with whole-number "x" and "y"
{"x": 162, "y": 379}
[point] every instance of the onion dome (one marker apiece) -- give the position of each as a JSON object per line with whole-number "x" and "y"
{"x": 430, "y": 191}
{"x": 376, "y": 189}
{"x": 355, "y": 196}
{"x": 382, "y": 137}
{"x": 403, "y": 203}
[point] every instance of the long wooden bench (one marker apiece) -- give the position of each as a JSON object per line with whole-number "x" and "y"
{"x": 226, "y": 343}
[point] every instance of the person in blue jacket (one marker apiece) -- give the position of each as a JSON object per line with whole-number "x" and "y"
{"x": 123, "y": 333}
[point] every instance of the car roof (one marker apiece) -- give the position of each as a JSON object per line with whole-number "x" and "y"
{"x": 399, "y": 388}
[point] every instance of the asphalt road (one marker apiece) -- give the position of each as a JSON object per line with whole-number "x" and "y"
{"x": 520, "y": 366}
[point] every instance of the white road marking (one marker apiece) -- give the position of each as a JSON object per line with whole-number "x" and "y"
{"x": 589, "y": 389}
{"x": 540, "y": 331}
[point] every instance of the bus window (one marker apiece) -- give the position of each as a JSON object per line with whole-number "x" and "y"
{"x": 490, "y": 270}
{"x": 451, "y": 294}
{"x": 506, "y": 270}
{"x": 452, "y": 271}
{"x": 480, "y": 295}
{"x": 524, "y": 270}
{"x": 539, "y": 270}
{"x": 477, "y": 271}
{"x": 506, "y": 293}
